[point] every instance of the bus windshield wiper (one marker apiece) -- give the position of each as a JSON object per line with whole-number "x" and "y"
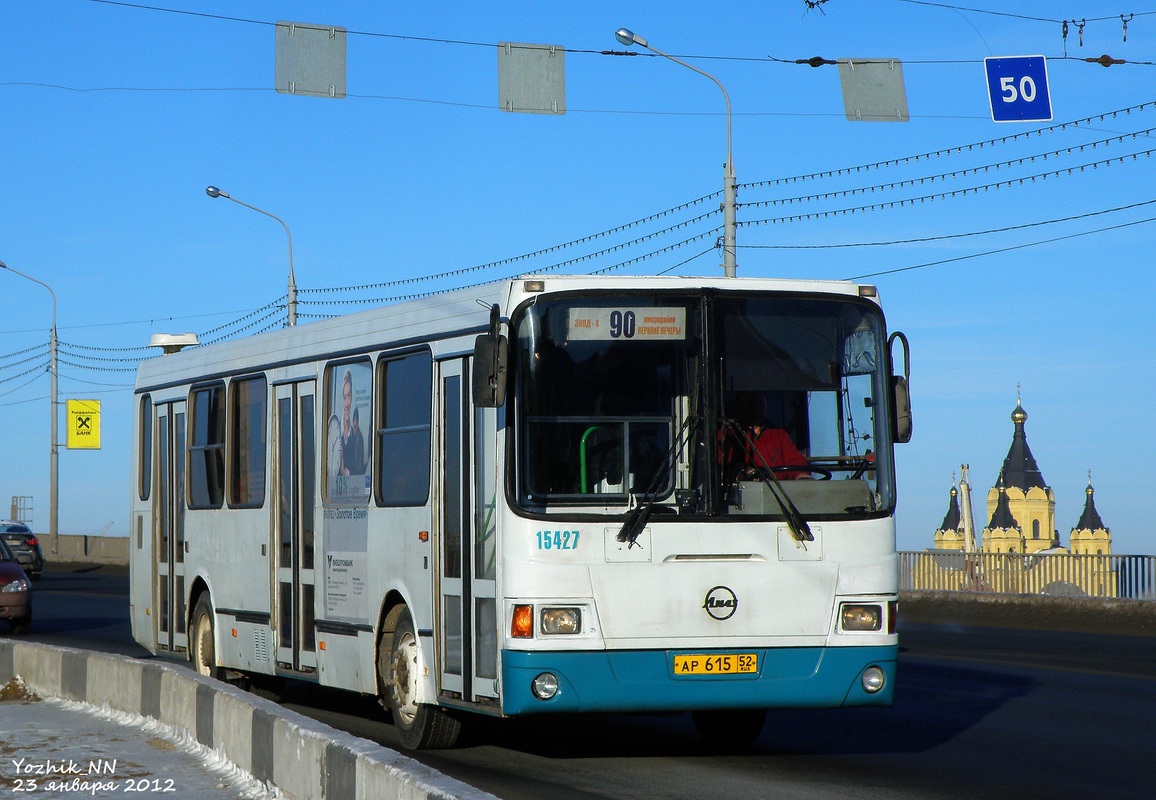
{"x": 636, "y": 520}
{"x": 795, "y": 519}
{"x": 635, "y": 523}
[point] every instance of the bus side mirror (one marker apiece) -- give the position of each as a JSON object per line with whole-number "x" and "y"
{"x": 489, "y": 367}
{"x": 902, "y": 411}
{"x": 900, "y": 392}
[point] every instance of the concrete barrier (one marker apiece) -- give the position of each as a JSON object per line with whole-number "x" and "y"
{"x": 1029, "y": 612}
{"x": 305, "y": 759}
{"x": 86, "y": 549}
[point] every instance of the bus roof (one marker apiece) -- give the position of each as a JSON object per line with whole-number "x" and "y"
{"x": 445, "y": 315}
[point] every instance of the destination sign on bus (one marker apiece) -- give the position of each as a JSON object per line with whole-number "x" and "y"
{"x": 626, "y": 324}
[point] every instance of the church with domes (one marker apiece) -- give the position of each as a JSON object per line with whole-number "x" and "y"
{"x": 1021, "y": 510}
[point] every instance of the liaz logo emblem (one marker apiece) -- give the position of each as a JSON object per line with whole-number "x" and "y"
{"x": 721, "y": 603}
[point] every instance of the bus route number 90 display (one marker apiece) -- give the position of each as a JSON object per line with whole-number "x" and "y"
{"x": 626, "y": 324}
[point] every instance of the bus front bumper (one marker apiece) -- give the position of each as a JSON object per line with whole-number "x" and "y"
{"x": 648, "y": 680}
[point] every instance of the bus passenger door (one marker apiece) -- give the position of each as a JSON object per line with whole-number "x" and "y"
{"x": 293, "y": 531}
{"x": 169, "y": 527}
{"x": 468, "y": 629}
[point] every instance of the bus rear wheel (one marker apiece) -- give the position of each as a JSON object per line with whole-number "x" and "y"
{"x": 729, "y": 729}
{"x": 202, "y": 652}
{"x": 399, "y": 668}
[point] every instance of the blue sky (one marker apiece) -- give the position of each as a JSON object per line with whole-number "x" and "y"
{"x": 116, "y": 117}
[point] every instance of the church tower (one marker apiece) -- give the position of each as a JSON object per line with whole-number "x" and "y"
{"x": 957, "y": 532}
{"x": 950, "y": 533}
{"x": 1003, "y": 533}
{"x": 1021, "y": 500}
{"x": 1091, "y": 536}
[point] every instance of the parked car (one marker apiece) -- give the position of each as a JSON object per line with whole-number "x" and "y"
{"x": 15, "y": 592}
{"x": 25, "y": 545}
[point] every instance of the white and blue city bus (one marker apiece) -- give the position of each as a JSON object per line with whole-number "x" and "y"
{"x": 515, "y": 499}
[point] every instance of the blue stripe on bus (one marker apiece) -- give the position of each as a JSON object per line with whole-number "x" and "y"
{"x": 644, "y": 680}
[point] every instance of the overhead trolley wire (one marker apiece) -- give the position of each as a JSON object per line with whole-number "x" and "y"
{"x": 660, "y": 251}
{"x": 948, "y": 194}
{"x": 273, "y": 312}
{"x": 543, "y": 251}
{"x": 275, "y": 306}
{"x": 68, "y": 363}
{"x": 1018, "y": 16}
{"x": 954, "y": 150}
{"x": 816, "y": 61}
{"x": 25, "y": 350}
{"x": 947, "y": 236}
{"x": 37, "y": 352}
{"x": 1009, "y": 249}
{"x": 75, "y": 346}
{"x": 943, "y": 176}
{"x": 68, "y": 350}
{"x": 24, "y": 385}
{"x": 42, "y": 366}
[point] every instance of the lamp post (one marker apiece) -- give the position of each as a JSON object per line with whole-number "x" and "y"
{"x": 53, "y": 457}
{"x": 213, "y": 191}
{"x": 628, "y": 37}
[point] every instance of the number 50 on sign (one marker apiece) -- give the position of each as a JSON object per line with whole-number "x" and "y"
{"x": 1017, "y": 88}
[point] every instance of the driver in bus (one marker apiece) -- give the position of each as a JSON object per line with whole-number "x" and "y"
{"x": 755, "y": 446}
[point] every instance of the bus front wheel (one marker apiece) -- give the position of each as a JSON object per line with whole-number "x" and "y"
{"x": 399, "y": 666}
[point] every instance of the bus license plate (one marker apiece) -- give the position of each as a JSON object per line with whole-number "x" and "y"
{"x": 716, "y": 664}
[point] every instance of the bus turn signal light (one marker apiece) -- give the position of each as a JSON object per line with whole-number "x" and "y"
{"x": 522, "y": 626}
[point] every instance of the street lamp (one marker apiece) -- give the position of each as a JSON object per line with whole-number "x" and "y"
{"x": 213, "y": 191}
{"x": 53, "y": 462}
{"x": 628, "y": 37}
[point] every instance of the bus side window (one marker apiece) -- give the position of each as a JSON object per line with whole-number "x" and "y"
{"x": 207, "y": 448}
{"x": 146, "y": 447}
{"x": 404, "y": 439}
{"x": 246, "y": 446}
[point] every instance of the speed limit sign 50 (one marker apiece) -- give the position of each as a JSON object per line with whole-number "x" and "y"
{"x": 1017, "y": 88}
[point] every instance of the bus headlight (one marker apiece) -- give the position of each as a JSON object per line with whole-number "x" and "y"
{"x": 561, "y": 620}
{"x": 860, "y": 617}
{"x": 545, "y": 686}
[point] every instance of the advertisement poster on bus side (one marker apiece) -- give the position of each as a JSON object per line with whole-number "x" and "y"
{"x": 348, "y": 488}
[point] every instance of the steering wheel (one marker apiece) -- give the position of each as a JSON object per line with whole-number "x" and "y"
{"x": 823, "y": 473}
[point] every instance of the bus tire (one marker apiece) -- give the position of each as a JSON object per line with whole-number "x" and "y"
{"x": 419, "y": 726}
{"x": 202, "y": 651}
{"x": 729, "y": 729}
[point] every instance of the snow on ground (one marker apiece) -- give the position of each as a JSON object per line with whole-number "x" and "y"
{"x": 63, "y": 749}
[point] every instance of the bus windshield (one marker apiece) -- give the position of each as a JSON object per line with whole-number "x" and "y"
{"x": 713, "y": 404}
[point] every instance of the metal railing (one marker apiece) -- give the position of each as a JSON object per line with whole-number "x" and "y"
{"x": 1054, "y": 574}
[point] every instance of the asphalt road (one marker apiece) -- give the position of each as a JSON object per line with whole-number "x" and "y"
{"x": 83, "y": 606}
{"x": 981, "y": 711}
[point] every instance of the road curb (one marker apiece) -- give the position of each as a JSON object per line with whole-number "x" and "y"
{"x": 304, "y": 758}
